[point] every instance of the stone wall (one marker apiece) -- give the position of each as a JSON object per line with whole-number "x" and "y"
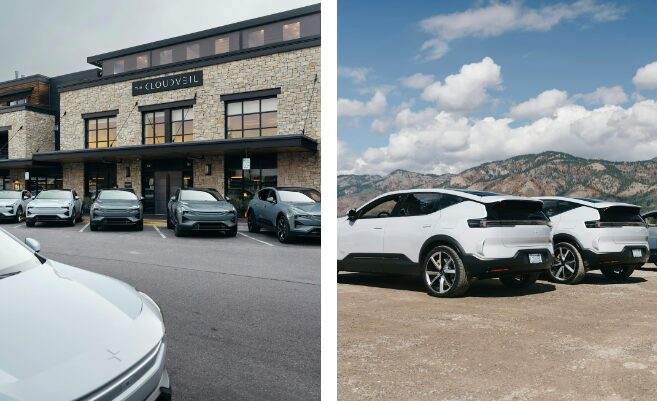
{"x": 301, "y": 169}
{"x": 216, "y": 179}
{"x": 135, "y": 174}
{"x": 73, "y": 176}
{"x": 36, "y": 135}
{"x": 294, "y": 72}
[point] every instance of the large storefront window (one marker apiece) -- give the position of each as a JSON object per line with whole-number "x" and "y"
{"x": 172, "y": 125}
{"x": 252, "y": 118}
{"x": 242, "y": 185}
{"x": 98, "y": 176}
{"x": 160, "y": 179}
{"x": 101, "y": 132}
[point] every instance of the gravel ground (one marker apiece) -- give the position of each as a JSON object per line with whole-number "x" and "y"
{"x": 594, "y": 341}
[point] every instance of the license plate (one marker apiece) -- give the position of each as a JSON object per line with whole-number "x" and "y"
{"x": 535, "y": 258}
{"x": 636, "y": 253}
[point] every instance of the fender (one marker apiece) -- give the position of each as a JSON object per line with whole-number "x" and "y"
{"x": 440, "y": 238}
{"x": 567, "y": 238}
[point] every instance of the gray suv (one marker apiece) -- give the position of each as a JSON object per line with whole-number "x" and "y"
{"x": 59, "y": 205}
{"x": 13, "y": 205}
{"x": 116, "y": 207}
{"x": 291, "y": 211}
{"x": 201, "y": 209}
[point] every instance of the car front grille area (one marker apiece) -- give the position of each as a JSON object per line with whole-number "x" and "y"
{"x": 120, "y": 385}
{"x": 210, "y": 226}
{"x": 209, "y": 217}
{"x": 47, "y": 210}
{"x": 117, "y": 221}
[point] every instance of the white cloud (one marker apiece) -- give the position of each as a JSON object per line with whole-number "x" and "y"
{"x": 417, "y": 81}
{"x": 438, "y": 141}
{"x": 498, "y": 18}
{"x": 381, "y": 125}
{"x": 467, "y": 90}
{"x": 605, "y": 95}
{"x": 543, "y": 105}
{"x": 646, "y": 77}
{"x": 355, "y": 108}
{"x": 356, "y": 74}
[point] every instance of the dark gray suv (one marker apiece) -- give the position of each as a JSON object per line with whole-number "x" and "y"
{"x": 116, "y": 207}
{"x": 201, "y": 209}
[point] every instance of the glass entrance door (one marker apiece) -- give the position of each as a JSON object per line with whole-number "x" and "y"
{"x": 166, "y": 185}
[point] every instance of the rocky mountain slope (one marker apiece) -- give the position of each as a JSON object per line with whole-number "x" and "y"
{"x": 547, "y": 173}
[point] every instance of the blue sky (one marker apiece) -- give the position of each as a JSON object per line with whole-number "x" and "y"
{"x": 521, "y": 49}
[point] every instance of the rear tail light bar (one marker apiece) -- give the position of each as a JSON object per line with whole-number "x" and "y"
{"x": 605, "y": 224}
{"x": 485, "y": 223}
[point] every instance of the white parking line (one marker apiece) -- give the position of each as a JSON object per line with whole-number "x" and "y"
{"x": 20, "y": 225}
{"x": 159, "y": 232}
{"x": 255, "y": 239}
{"x": 83, "y": 228}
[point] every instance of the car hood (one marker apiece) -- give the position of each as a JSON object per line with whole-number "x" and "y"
{"x": 61, "y": 326}
{"x": 9, "y": 202}
{"x": 206, "y": 206}
{"x": 50, "y": 202}
{"x": 311, "y": 208}
{"x": 116, "y": 204}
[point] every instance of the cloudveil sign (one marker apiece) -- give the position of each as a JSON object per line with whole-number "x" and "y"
{"x": 171, "y": 82}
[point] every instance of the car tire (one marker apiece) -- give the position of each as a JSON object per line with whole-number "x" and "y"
{"x": 232, "y": 232}
{"x": 519, "y": 281}
{"x": 72, "y": 220}
{"x": 443, "y": 273}
{"x": 79, "y": 219}
{"x": 30, "y": 223}
{"x": 251, "y": 222}
{"x": 178, "y": 231}
{"x": 618, "y": 273}
{"x": 19, "y": 214}
{"x": 140, "y": 226}
{"x": 93, "y": 227}
{"x": 560, "y": 271}
{"x": 283, "y": 230}
{"x": 169, "y": 223}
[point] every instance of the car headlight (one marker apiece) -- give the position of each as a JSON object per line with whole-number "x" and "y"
{"x": 134, "y": 208}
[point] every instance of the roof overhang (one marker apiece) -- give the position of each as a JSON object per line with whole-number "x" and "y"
{"x": 16, "y": 94}
{"x": 278, "y": 144}
{"x": 25, "y": 163}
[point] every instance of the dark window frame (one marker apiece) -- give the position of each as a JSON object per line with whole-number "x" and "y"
{"x": 259, "y": 113}
{"x": 168, "y": 124}
{"x": 107, "y": 119}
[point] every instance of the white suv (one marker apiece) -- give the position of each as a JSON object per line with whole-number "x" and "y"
{"x": 592, "y": 234}
{"x": 448, "y": 237}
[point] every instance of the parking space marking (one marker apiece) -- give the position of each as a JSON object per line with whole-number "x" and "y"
{"x": 255, "y": 239}
{"x": 83, "y": 228}
{"x": 159, "y": 232}
{"x": 18, "y": 226}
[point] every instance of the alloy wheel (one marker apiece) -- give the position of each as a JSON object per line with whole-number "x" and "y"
{"x": 564, "y": 265}
{"x": 440, "y": 272}
{"x": 282, "y": 229}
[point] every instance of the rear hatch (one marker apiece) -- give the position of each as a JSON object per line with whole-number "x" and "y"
{"x": 624, "y": 225}
{"x": 521, "y": 223}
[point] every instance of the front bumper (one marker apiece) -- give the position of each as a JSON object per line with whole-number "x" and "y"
{"x": 8, "y": 215}
{"x": 190, "y": 222}
{"x": 116, "y": 220}
{"x": 306, "y": 227}
{"x": 47, "y": 217}
{"x": 519, "y": 263}
{"x": 594, "y": 260}
{"x": 163, "y": 390}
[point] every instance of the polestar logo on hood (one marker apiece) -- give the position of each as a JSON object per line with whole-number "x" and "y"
{"x": 114, "y": 355}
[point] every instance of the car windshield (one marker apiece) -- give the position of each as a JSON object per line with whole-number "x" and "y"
{"x": 10, "y": 195}
{"x": 202, "y": 196}
{"x": 54, "y": 195}
{"x": 14, "y": 256}
{"x": 300, "y": 196}
{"x": 117, "y": 195}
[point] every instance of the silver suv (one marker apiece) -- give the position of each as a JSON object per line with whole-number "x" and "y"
{"x": 13, "y": 205}
{"x": 58, "y": 205}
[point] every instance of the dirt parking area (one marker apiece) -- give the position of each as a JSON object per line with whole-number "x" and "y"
{"x": 593, "y": 341}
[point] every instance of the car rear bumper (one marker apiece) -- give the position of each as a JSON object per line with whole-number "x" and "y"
{"x": 519, "y": 263}
{"x": 594, "y": 260}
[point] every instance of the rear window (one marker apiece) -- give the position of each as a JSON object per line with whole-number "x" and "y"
{"x": 516, "y": 210}
{"x": 621, "y": 214}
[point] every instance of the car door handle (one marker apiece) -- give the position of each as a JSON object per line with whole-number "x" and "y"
{"x": 426, "y": 226}
{"x": 378, "y": 228}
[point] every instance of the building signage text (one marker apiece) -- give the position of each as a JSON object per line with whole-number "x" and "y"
{"x": 171, "y": 82}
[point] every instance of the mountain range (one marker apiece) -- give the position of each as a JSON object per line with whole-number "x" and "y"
{"x": 547, "y": 173}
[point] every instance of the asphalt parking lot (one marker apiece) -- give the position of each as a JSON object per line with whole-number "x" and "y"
{"x": 242, "y": 314}
{"x": 593, "y": 341}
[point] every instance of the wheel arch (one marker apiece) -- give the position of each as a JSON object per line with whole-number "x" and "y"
{"x": 567, "y": 238}
{"x": 438, "y": 240}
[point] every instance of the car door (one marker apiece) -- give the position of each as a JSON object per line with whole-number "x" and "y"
{"x": 413, "y": 224}
{"x": 270, "y": 208}
{"x": 171, "y": 206}
{"x": 259, "y": 204}
{"x": 361, "y": 239}
{"x": 77, "y": 202}
{"x": 651, "y": 222}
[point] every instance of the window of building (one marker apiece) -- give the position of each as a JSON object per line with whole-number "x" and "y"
{"x": 17, "y": 102}
{"x": 292, "y": 30}
{"x": 252, "y": 118}
{"x": 222, "y": 45}
{"x": 143, "y": 61}
{"x": 182, "y": 125}
{"x": 4, "y": 145}
{"x": 193, "y": 51}
{"x": 170, "y": 125}
{"x": 255, "y": 37}
{"x": 166, "y": 56}
{"x": 101, "y": 132}
{"x": 119, "y": 66}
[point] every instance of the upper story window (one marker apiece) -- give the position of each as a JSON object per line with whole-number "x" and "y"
{"x": 263, "y": 35}
{"x": 171, "y": 125}
{"x": 100, "y": 132}
{"x": 252, "y": 118}
{"x": 17, "y": 102}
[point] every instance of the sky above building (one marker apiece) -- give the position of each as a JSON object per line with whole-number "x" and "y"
{"x": 55, "y": 38}
{"x": 438, "y": 87}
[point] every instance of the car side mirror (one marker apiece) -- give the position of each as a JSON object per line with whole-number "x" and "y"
{"x": 76, "y": 197}
{"x": 33, "y": 197}
{"x": 271, "y": 200}
{"x": 26, "y": 197}
{"x": 227, "y": 198}
{"x": 33, "y": 244}
{"x": 352, "y": 215}
{"x": 173, "y": 198}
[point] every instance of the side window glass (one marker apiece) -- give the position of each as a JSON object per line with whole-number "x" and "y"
{"x": 272, "y": 193}
{"x": 262, "y": 195}
{"x": 651, "y": 220}
{"x": 382, "y": 208}
{"x": 419, "y": 204}
{"x": 550, "y": 208}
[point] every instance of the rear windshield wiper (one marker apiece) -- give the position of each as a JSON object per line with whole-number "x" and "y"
{"x": 8, "y": 274}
